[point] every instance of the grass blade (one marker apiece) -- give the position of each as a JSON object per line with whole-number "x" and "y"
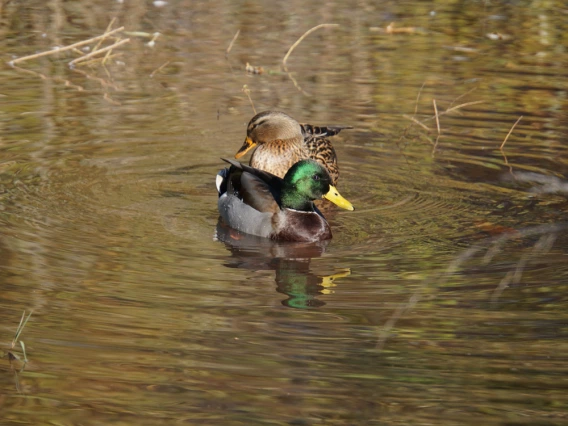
{"x": 24, "y": 351}
{"x": 21, "y": 327}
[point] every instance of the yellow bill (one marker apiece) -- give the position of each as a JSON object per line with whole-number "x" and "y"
{"x": 335, "y": 197}
{"x": 247, "y": 145}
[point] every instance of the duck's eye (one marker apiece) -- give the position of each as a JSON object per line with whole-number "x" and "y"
{"x": 315, "y": 177}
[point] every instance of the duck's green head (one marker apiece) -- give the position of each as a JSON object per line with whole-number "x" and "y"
{"x": 305, "y": 181}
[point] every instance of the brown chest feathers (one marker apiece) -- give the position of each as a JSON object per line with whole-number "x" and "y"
{"x": 278, "y": 156}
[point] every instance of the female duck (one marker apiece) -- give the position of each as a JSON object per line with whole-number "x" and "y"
{"x": 282, "y": 141}
{"x": 262, "y": 204}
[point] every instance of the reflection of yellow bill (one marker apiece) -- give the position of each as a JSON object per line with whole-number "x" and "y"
{"x": 247, "y": 145}
{"x": 335, "y": 197}
{"x": 328, "y": 280}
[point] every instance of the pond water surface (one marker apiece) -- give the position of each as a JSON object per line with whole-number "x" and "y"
{"x": 442, "y": 299}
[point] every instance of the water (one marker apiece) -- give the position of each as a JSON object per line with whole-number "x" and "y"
{"x": 441, "y": 298}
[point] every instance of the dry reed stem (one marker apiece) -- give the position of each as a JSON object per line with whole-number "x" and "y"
{"x": 34, "y": 73}
{"x": 507, "y": 164}
{"x": 437, "y": 126}
{"x": 437, "y": 118}
{"x": 510, "y": 131}
{"x": 107, "y": 72}
{"x": 154, "y": 38}
{"x": 159, "y": 69}
{"x": 492, "y": 246}
{"x": 232, "y": 42}
{"x": 435, "y": 144}
{"x": 109, "y": 26}
{"x": 101, "y": 81}
{"x": 461, "y": 106}
{"x": 105, "y": 49}
{"x": 65, "y": 48}
{"x": 110, "y": 100}
{"x": 247, "y": 92}
{"x": 100, "y": 60}
{"x": 68, "y": 83}
{"x": 106, "y": 58}
{"x": 414, "y": 120}
{"x": 397, "y": 314}
{"x": 296, "y": 85}
{"x": 307, "y": 33}
{"x": 462, "y": 95}
{"x": 447, "y": 111}
{"x": 541, "y": 247}
{"x": 418, "y": 98}
{"x": 44, "y": 77}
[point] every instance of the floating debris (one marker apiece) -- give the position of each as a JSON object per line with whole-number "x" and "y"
{"x": 497, "y": 36}
{"x": 392, "y": 29}
{"x": 254, "y": 70}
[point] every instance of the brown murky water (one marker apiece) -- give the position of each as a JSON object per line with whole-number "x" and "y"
{"x": 440, "y": 300}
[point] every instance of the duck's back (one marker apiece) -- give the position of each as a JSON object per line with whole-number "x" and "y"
{"x": 319, "y": 146}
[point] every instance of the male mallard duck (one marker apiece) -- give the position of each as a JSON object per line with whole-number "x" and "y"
{"x": 259, "y": 203}
{"x": 282, "y": 141}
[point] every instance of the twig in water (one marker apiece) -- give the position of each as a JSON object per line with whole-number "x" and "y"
{"x": 105, "y": 59}
{"x": 542, "y": 246}
{"x": 510, "y": 131}
{"x": 311, "y": 30}
{"x": 437, "y": 118}
{"x": 101, "y": 81}
{"x": 24, "y": 351}
{"x": 34, "y": 73}
{"x": 107, "y": 98}
{"x": 437, "y": 126}
{"x": 415, "y": 121}
{"x": 90, "y": 55}
{"x": 397, "y": 314}
{"x": 507, "y": 164}
{"x": 492, "y": 247}
{"x": 232, "y": 42}
{"x": 109, "y": 26}
{"x": 21, "y": 327}
{"x": 307, "y": 33}
{"x": 159, "y": 69}
{"x": 247, "y": 92}
{"x": 461, "y": 96}
{"x": 418, "y": 98}
{"x": 102, "y": 61}
{"x": 152, "y": 42}
{"x": 65, "y": 48}
{"x": 461, "y": 106}
{"x": 296, "y": 85}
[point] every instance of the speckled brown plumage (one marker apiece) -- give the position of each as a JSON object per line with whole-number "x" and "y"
{"x": 282, "y": 141}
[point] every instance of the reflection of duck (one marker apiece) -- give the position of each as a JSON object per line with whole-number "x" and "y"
{"x": 262, "y": 204}
{"x": 290, "y": 261}
{"x": 294, "y": 279}
{"x": 282, "y": 141}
